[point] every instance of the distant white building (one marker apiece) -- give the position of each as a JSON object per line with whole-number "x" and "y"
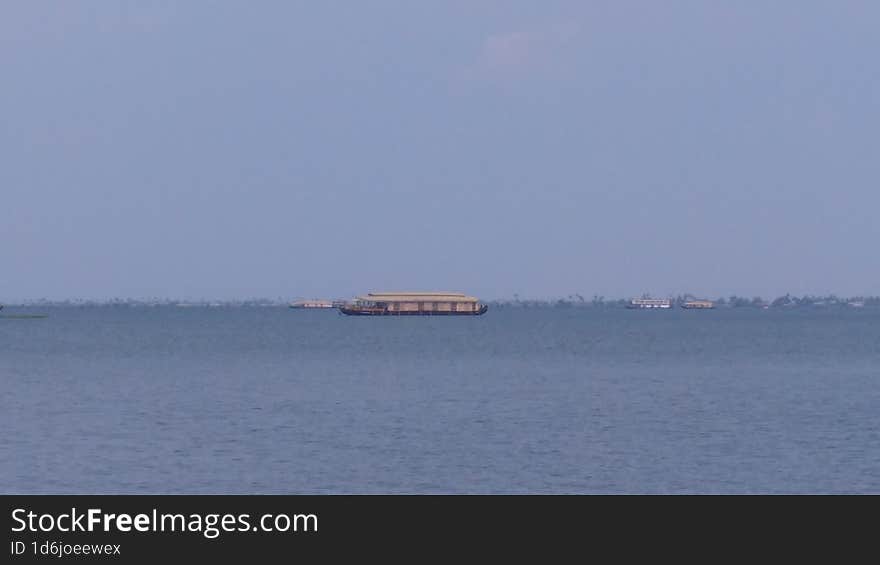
{"x": 312, "y": 304}
{"x": 641, "y": 303}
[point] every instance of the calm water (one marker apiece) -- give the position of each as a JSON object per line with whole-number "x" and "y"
{"x": 272, "y": 400}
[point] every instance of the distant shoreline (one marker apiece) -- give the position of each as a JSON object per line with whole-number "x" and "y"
{"x": 787, "y": 301}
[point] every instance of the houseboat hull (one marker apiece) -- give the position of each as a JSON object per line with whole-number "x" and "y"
{"x": 359, "y": 311}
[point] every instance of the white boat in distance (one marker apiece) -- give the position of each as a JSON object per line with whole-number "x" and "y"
{"x": 649, "y": 303}
{"x": 313, "y": 304}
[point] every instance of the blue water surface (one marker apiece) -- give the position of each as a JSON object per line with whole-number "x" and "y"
{"x": 521, "y": 400}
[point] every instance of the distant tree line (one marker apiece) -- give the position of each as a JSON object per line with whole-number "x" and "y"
{"x": 733, "y": 301}
{"x": 575, "y": 300}
{"x": 142, "y": 302}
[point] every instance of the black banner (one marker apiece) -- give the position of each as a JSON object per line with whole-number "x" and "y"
{"x": 126, "y": 529}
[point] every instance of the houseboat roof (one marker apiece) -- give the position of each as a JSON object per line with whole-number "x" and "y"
{"x": 417, "y": 297}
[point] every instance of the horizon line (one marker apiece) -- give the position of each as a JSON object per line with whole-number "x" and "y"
{"x": 572, "y": 297}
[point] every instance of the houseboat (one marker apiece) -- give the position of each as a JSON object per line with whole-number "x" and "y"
{"x": 645, "y": 303}
{"x": 414, "y": 304}
{"x": 698, "y": 305}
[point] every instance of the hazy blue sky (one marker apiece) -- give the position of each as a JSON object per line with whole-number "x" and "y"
{"x": 285, "y": 149}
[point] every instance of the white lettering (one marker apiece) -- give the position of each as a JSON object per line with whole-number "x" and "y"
{"x": 51, "y": 523}
{"x": 123, "y": 522}
{"x": 19, "y": 520}
{"x": 142, "y": 523}
{"x": 76, "y": 521}
{"x": 94, "y": 518}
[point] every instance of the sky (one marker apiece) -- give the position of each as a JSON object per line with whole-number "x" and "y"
{"x": 289, "y": 149}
